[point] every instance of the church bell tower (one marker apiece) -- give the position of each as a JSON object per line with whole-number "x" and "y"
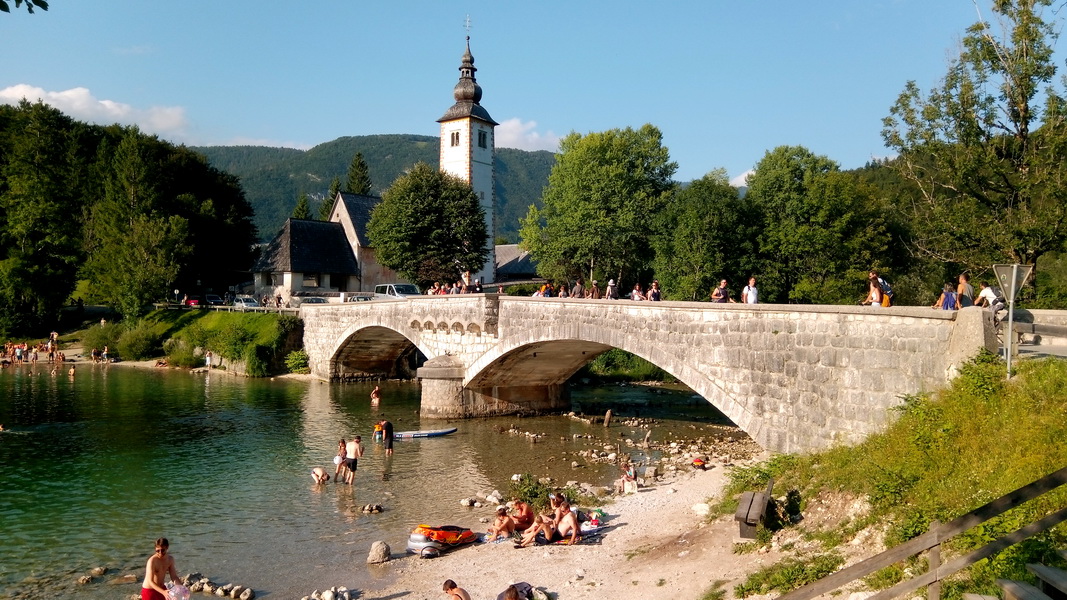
{"x": 467, "y": 150}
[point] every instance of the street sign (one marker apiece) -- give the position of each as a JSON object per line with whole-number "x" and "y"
{"x": 1011, "y": 278}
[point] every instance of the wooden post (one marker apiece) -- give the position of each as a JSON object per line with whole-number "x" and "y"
{"x": 607, "y": 417}
{"x": 933, "y": 591}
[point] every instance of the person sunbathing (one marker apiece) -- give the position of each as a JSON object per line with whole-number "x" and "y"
{"x": 523, "y": 515}
{"x": 502, "y": 527}
{"x": 542, "y": 526}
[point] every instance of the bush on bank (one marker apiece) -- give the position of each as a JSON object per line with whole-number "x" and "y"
{"x": 257, "y": 340}
{"x": 945, "y": 455}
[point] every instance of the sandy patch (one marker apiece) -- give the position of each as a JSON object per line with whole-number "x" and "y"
{"x": 656, "y": 546}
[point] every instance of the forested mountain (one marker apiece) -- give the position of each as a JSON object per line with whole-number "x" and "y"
{"x": 273, "y": 178}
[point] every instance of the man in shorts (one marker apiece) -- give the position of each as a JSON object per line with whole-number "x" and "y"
{"x": 159, "y": 565}
{"x": 353, "y": 451}
{"x": 387, "y": 437}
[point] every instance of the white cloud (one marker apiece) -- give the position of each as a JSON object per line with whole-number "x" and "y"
{"x": 742, "y": 179}
{"x": 79, "y": 103}
{"x": 514, "y": 133}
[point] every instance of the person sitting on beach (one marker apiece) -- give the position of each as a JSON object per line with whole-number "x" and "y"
{"x": 502, "y": 527}
{"x": 455, "y": 592}
{"x": 542, "y": 525}
{"x": 567, "y": 525}
{"x": 626, "y": 484}
{"x": 522, "y": 516}
{"x": 320, "y": 475}
{"x": 161, "y": 362}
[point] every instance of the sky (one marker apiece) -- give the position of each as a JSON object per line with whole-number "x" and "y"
{"x": 724, "y": 81}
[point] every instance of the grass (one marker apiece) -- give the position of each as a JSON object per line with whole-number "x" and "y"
{"x": 945, "y": 454}
{"x": 716, "y": 591}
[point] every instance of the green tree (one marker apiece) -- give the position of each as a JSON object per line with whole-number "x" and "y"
{"x": 821, "y": 229}
{"x": 302, "y": 210}
{"x": 985, "y": 148}
{"x": 135, "y": 247}
{"x": 40, "y": 236}
{"x": 5, "y": 5}
{"x": 429, "y": 226}
{"x": 705, "y": 233}
{"x": 603, "y": 196}
{"x": 327, "y": 203}
{"x": 358, "y": 181}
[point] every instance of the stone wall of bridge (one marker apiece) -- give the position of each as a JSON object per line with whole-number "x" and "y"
{"x": 794, "y": 377}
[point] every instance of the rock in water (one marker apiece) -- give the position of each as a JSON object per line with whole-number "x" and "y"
{"x": 379, "y": 553}
{"x": 84, "y": 579}
{"x": 248, "y": 594}
{"x": 97, "y": 572}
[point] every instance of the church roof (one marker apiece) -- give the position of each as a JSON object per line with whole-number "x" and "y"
{"x": 359, "y": 208}
{"x": 308, "y": 247}
{"x": 513, "y": 262}
{"x": 467, "y": 93}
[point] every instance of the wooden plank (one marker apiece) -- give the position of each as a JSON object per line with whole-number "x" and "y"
{"x": 1017, "y": 590}
{"x": 743, "y": 506}
{"x": 1050, "y": 577}
{"x": 962, "y": 562}
{"x": 979, "y": 597}
{"x": 930, "y": 539}
{"x": 757, "y": 509}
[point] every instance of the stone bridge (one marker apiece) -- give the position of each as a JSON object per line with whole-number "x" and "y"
{"x": 793, "y": 377}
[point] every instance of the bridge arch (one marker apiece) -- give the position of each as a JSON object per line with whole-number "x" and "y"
{"x": 367, "y": 350}
{"x": 531, "y": 360}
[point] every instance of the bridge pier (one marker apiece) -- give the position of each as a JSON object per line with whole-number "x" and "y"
{"x": 444, "y": 397}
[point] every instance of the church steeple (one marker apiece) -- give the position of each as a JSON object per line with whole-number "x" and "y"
{"x": 467, "y": 93}
{"x": 468, "y": 147}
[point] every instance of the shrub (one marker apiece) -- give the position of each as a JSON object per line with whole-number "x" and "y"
{"x": 788, "y": 575}
{"x": 531, "y": 491}
{"x": 257, "y": 360}
{"x": 138, "y": 342}
{"x": 98, "y": 336}
{"x": 297, "y": 362}
{"x": 180, "y": 353}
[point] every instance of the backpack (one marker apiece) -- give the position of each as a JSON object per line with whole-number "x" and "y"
{"x": 886, "y": 288}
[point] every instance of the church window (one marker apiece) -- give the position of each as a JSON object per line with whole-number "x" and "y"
{"x": 455, "y": 138}
{"x": 483, "y": 139}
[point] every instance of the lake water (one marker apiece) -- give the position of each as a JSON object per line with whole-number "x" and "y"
{"x": 94, "y": 469}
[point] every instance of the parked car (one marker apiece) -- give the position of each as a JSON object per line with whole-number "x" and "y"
{"x": 213, "y": 300}
{"x": 193, "y": 301}
{"x": 396, "y": 290}
{"x": 300, "y": 301}
{"x": 246, "y": 302}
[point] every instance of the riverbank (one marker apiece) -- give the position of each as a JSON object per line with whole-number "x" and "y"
{"x": 655, "y": 544}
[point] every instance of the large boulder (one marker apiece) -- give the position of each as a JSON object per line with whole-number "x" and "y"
{"x": 379, "y": 553}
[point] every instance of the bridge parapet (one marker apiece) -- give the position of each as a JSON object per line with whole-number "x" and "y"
{"x": 793, "y": 377}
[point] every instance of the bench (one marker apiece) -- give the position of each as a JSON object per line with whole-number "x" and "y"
{"x": 751, "y": 511}
{"x": 1018, "y": 590}
{"x": 1050, "y": 580}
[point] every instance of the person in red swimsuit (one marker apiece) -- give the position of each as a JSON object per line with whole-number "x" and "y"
{"x": 159, "y": 565}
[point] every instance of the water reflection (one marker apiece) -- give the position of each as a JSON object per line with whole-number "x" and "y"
{"x": 95, "y": 469}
